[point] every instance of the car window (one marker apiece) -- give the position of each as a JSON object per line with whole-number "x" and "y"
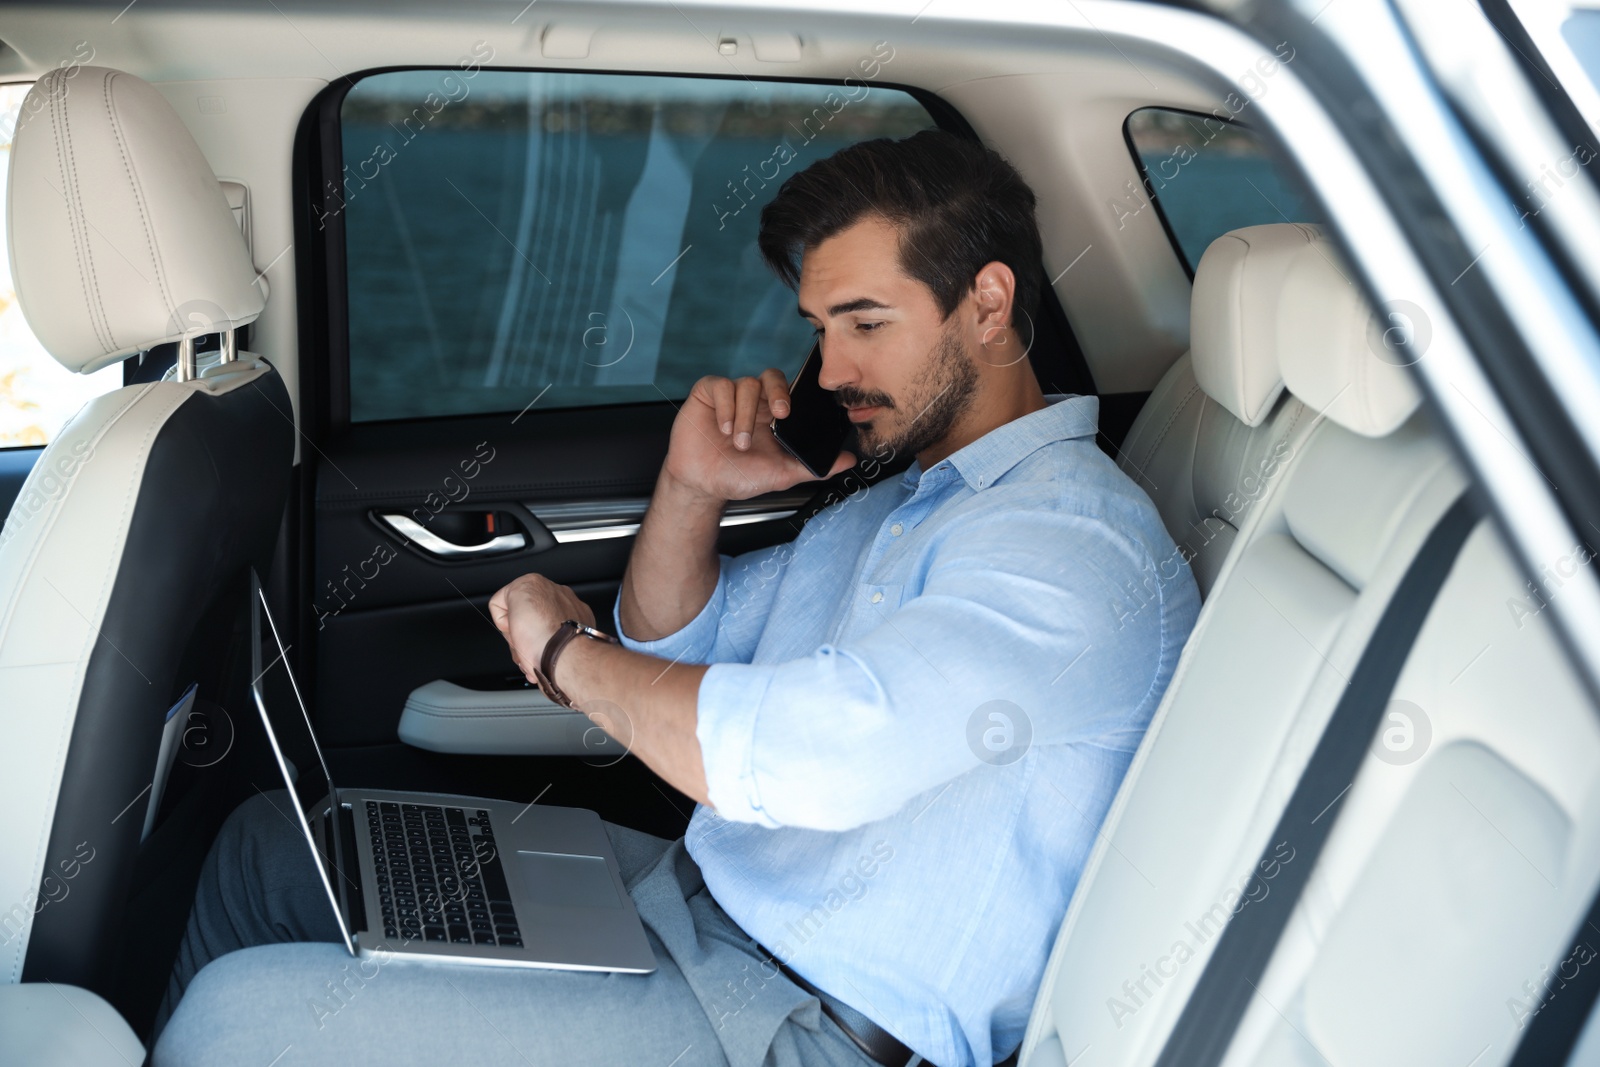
{"x": 575, "y": 239}
{"x": 1204, "y": 176}
{"x": 1558, "y": 43}
{"x": 1581, "y": 31}
{"x": 37, "y": 394}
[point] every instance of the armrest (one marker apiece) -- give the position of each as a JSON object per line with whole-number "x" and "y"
{"x": 442, "y": 716}
{"x": 44, "y": 1024}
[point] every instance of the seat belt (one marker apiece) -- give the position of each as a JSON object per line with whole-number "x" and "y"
{"x": 1206, "y": 1028}
{"x": 1564, "y": 1006}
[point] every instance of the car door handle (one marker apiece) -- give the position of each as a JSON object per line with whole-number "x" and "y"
{"x": 432, "y": 543}
{"x": 593, "y": 520}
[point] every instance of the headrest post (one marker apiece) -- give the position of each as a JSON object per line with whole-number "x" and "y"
{"x": 230, "y": 347}
{"x": 185, "y": 358}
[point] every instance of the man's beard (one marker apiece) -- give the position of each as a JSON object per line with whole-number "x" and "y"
{"x": 940, "y": 395}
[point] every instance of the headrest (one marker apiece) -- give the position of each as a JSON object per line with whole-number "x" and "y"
{"x": 1233, "y": 315}
{"x": 120, "y": 237}
{"x": 1333, "y": 350}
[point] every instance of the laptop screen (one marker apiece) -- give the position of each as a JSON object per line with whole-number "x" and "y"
{"x": 273, "y": 684}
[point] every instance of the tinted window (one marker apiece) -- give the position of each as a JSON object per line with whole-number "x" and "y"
{"x": 1582, "y": 33}
{"x": 1207, "y": 176}
{"x": 579, "y": 238}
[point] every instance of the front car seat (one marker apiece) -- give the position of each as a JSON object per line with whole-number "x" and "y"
{"x": 143, "y": 516}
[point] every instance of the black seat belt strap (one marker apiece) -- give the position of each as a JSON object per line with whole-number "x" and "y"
{"x": 1562, "y": 1007}
{"x": 1206, "y": 1028}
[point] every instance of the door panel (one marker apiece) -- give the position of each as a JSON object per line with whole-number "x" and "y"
{"x": 387, "y": 616}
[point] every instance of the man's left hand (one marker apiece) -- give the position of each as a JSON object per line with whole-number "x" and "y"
{"x": 528, "y": 611}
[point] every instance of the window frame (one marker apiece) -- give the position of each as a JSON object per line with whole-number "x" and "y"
{"x": 322, "y": 256}
{"x": 1273, "y": 153}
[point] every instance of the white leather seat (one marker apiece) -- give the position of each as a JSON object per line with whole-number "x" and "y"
{"x": 123, "y": 561}
{"x": 1219, "y": 427}
{"x": 1448, "y": 903}
{"x": 49, "y": 1025}
{"x": 1315, "y": 562}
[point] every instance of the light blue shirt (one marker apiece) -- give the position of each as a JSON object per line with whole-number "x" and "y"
{"x": 917, "y": 715}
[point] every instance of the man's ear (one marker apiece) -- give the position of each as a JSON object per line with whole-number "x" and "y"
{"x": 994, "y": 291}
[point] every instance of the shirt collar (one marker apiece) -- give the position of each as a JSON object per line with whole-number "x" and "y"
{"x": 982, "y": 462}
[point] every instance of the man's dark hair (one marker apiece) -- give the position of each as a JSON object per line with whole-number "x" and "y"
{"x": 956, "y": 203}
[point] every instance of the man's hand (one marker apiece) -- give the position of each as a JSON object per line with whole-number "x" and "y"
{"x": 722, "y": 446}
{"x": 527, "y": 613}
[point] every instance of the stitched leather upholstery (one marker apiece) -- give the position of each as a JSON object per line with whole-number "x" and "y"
{"x": 123, "y": 560}
{"x": 1219, "y": 427}
{"x": 1468, "y": 846}
{"x": 124, "y": 233}
{"x": 1292, "y": 601}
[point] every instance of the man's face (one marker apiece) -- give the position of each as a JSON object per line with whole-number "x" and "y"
{"x": 903, "y": 376}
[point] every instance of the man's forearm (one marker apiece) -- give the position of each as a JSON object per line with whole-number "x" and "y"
{"x": 673, "y": 568}
{"x": 648, "y": 704}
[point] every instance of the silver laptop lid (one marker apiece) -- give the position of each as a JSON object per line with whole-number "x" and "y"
{"x": 314, "y": 789}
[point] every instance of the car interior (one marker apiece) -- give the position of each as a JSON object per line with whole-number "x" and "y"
{"x": 460, "y": 265}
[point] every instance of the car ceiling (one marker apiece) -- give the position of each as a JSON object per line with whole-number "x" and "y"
{"x": 1048, "y": 85}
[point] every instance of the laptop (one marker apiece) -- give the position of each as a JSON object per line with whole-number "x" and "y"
{"x": 453, "y": 879}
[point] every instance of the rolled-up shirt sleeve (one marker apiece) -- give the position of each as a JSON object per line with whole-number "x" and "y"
{"x": 1020, "y": 636}
{"x": 729, "y": 626}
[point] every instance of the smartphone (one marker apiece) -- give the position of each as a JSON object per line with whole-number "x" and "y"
{"x": 815, "y": 428}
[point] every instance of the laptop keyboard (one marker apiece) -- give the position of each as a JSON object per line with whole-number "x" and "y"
{"x": 439, "y": 875}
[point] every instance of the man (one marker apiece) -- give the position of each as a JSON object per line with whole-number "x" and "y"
{"x": 902, "y": 730}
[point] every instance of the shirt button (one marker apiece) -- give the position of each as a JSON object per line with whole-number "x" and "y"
{"x": 897, "y": 529}
{"x": 877, "y": 597}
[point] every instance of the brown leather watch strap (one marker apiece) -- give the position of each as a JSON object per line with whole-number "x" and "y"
{"x": 552, "y": 648}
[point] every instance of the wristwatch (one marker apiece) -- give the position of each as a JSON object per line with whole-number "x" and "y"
{"x": 545, "y": 672}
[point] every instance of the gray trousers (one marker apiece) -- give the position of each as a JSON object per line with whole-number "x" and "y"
{"x": 252, "y": 984}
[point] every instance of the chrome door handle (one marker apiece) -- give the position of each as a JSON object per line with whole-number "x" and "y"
{"x": 431, "y": 542}
{"x": 594, "y": 520}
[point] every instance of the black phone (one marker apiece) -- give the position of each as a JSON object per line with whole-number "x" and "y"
{"x": 815, "y": 428}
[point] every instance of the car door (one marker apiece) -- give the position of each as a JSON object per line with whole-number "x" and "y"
{"x": 514, "y": 280}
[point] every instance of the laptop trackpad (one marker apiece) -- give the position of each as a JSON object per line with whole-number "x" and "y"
{"x": 567, "y": 881}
